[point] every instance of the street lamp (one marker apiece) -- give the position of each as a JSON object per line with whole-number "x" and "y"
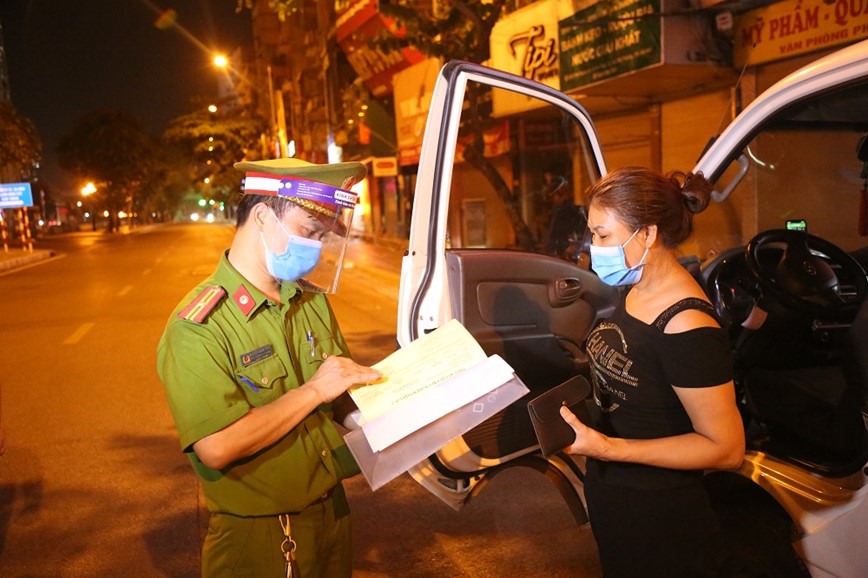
{"x": 87, "y": 191}
{"x": 276, "y": 120}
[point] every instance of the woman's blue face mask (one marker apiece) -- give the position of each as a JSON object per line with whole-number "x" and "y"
{"x": 297, "y": 260}
{"x": 610, "y": 264}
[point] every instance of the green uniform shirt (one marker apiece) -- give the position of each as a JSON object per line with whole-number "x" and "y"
{"x": 226, "y": 349}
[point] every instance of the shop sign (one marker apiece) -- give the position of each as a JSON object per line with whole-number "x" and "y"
{"x": 410, "y": 155}
{"x": 607, "y": 40}
{"x": 352, "y": 15}
{"x": 385, "y": 167}
{"x": 787, "y": 29}
{"x": 525, "y": 43}
{"x": 355, "y": 28}
{"x": 495, "y": 141}
{"x": 15, "y": 195}
{"x": 414, "y": 87}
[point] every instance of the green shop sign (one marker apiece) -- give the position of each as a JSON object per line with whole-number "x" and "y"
{"x": 607, "y": 40}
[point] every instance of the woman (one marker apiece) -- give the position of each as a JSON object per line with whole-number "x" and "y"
{"x": 665, "y": 405}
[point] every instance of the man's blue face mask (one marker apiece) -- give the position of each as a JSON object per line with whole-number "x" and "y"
{"x": 297, "y": 260}
{"x": 610, "y": 264}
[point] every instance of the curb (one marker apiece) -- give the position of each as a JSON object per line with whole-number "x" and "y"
{"x": 8, "y": 263}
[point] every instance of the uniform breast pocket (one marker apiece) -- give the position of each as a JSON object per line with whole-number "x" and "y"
{"x": 315, "y": 352}
{"x": 263, "y": 381}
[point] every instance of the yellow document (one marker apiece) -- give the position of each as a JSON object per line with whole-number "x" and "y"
{"x": 420, "y": 366}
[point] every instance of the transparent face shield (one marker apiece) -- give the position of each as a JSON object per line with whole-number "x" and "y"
{"x": 319, "y": 214}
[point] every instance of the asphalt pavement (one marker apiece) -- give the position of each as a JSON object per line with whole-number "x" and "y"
{"x": 385, "y": 256}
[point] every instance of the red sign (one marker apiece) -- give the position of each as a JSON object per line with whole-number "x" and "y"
{"x": 351, "y": 19}
{"x": 385, "y": 167}
{"x": 495, "y": 141}
{"x": 355, "y": 28}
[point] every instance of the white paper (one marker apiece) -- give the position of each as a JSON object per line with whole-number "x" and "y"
{"x": 422, "y": 365}
{"x": 432, "y": 403}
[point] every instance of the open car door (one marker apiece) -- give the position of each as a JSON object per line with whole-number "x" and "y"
{"x": 498, "y": 241}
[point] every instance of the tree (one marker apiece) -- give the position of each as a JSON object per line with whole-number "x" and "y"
{"x": 20, "y": 146}
{"x": 165, "y": 187}
{"x": 114, "y": 150}
{"x": 460, "y": 30}
{"x": 280, "y": 7}
{"x": 456, "y": 29}
{"x": 212, "y": 142}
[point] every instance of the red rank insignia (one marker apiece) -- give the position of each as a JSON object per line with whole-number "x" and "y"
{"x": 197, "y": 311}
{"x": 244, "y": 300}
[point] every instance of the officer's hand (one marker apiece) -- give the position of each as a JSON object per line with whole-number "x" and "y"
{"x": 336, "y": 374}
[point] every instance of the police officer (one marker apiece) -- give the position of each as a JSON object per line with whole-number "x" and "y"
{"x": 254, "y": 364}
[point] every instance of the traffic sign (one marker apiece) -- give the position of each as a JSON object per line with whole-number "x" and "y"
{"x": 15, "y": 195}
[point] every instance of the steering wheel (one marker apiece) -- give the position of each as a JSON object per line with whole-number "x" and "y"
{"x": 802, "y": 278}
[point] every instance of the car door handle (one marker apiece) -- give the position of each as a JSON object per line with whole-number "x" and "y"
{"x": 565, "y": 291}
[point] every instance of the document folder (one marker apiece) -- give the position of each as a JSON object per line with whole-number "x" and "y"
{"x": 381, "y": 467}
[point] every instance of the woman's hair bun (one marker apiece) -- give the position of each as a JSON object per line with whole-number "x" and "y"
{"x": 695, "y": 191}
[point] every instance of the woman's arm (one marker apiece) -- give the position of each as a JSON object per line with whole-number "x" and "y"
{"x": 717, "y": 442}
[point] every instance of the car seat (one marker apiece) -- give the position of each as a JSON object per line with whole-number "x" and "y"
{"x": 807, "y": 396}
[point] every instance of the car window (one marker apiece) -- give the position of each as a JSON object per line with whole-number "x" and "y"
{"x": 803, "y": 173}
{"x": 525, "y": 189}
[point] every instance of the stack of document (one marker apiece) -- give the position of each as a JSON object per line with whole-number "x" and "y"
{"x": 437, "y": 388}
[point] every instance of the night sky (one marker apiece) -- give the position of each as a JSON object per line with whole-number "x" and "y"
{"x": 67, "y": 58}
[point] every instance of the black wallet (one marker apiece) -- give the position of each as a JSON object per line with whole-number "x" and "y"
{"x": 552, "y": 432}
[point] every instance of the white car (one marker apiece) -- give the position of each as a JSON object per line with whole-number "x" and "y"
{"x": 498, "y": 242}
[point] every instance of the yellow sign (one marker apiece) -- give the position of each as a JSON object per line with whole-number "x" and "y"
{"x": 796, "y": 27}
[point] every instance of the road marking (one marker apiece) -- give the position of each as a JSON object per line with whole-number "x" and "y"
{"x": 146, "y": 272}
{"x": 79, "y": 333}
{"x": 124, "y": 291}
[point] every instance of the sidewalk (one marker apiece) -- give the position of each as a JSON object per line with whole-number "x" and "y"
{"x": 16, "y": 257}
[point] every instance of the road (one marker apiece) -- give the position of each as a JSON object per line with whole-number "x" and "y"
{"x": 93, "y": 482}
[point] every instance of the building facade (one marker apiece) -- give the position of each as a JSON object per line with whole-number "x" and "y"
{"x": 658, "y": 76}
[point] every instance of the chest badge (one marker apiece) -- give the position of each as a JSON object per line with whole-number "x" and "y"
{"x": 258, "y": 354}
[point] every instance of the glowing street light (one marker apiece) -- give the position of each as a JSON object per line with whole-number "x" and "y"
{"x": 276, "y": 121}
{"x": 86, "y": 191}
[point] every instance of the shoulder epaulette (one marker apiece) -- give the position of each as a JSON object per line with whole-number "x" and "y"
{"x": 202, "y": 306}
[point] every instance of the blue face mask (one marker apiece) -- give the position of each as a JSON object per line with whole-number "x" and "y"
{"x": 610, "y": 264}
{"x": 297, "y": 260}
